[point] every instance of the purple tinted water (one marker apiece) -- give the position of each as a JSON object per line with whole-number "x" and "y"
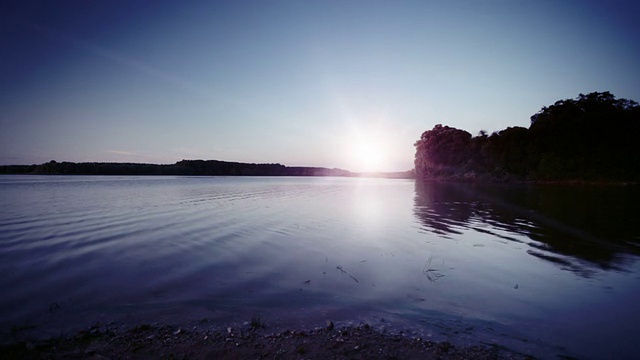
{"x": 541, "y": 270}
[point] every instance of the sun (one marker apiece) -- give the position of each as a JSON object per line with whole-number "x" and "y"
{"x": 367, "y": 156}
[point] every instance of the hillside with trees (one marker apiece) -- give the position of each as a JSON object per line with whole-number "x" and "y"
{"x": 594, "y": 137}
{"x": 184, "y": 167}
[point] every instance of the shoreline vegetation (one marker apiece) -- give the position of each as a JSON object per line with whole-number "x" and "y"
{"x": 251, "y": 341}
{"x": 592, "y": 139}
{"x": 224, "y": 168}
{"x": 189, "y": 168}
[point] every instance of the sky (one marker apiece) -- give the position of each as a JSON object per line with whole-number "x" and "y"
{"x": 338, "y": 84}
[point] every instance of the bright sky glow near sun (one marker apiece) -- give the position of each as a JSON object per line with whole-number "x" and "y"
{"x": 345, "y": 84}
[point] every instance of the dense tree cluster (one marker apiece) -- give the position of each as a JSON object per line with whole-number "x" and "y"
{"x": 594, "y": 137}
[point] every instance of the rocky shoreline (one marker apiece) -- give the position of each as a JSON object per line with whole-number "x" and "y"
{"x": 251, "y": 341}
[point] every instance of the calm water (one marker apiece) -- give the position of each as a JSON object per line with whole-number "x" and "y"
{"x": 541, "y": 270}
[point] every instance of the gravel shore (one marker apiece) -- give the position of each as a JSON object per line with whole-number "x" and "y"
{"x": 252, "y": 341}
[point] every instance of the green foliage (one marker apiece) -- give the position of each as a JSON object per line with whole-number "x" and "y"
{"x": 593, "y": 137}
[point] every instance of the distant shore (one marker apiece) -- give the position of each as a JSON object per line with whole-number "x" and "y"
{"x": 190, "y": 168}
{"x": 225, "y": 168}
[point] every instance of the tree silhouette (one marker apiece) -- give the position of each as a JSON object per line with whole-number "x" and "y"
{"x": 441, "y": 150}
{"x": 593, "y": 137}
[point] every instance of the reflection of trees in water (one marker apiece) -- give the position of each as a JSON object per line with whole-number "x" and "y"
{"x": 569, "y": 224}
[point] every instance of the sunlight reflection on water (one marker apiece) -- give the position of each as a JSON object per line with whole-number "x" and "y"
{"x": 538, "y": 263}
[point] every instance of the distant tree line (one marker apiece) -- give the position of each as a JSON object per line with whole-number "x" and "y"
{"x": 184, "y": 167}
{"x": 594, "y": 137}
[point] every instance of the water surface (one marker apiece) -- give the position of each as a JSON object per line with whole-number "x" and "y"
{"x": 540, "y": 269}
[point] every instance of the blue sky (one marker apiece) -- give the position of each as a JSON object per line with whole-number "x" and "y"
{"x": 347, "y": 84}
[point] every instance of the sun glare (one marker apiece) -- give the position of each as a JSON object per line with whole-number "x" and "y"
{"x": 367, "y": 145}
{"x": 367, "y": 157}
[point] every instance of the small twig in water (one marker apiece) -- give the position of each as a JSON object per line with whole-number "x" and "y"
{"x": 345, "y": 272}
{"x": 432, "y": 274}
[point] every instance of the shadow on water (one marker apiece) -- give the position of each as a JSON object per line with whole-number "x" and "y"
{"x": 575, "y": 227}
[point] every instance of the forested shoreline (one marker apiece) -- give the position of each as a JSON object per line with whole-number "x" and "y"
{"x": 593, "y": 138}
{"x": 184, "y": 167}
